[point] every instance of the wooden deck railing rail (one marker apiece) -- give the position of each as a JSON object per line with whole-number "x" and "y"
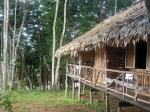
{"x": 135, "y": 84}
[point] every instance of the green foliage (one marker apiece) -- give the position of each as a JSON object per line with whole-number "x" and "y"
{"x": 99, "y": 106}
{"x": 36, "y": 40}
{"x": 121, "y": 5}
{"x": 5, "y": 101}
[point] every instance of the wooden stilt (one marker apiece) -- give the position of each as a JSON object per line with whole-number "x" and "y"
{"x": 91, "y": 96}
{"x": 79, "y": 83}
{"x": 107, "y": 105}
{"x": 79, "y": 90}
{"x": 73, "y": 89}
{"x": 118, "y": 109}
{"x": 83, "y": 89}
{"x": 66, "y": 86}
{"x": 103, "y": 96}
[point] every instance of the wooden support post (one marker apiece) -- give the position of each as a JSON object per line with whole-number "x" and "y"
{"x": 103, "y": 96}
{"x": 66, "y": 81}
{"x": 66, "y": 86}
{"x": 79, "y": 85}
{"x": 83, "y": 88}
{"x": 79, "y": 90}
{"x": 73, "y": 89}
{"x": 91, "y": 96}
{"x": 107, "y": 102}
{"x": 119, "y": 109}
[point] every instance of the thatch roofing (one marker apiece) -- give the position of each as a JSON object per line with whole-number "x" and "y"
{"x": 130, "y": 25}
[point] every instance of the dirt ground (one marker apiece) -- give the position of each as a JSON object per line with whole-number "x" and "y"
{"x": 34, "y": 107}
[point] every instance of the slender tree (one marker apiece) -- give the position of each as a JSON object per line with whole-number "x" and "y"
{"x": 5, "y": 45}
{"x": 147, "y": 4}
{"x": 61, "y": 43}
{"x": 116, "y": 6}
{"x": 54, "y": 43}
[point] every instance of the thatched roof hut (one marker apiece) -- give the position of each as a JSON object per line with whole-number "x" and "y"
{"x": 124, "y": 27}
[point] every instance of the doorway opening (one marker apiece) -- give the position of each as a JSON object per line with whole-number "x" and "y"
{"x": 141, "y": 54}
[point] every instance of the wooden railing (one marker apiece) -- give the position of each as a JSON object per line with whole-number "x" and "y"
{"x": 135, "y": 85}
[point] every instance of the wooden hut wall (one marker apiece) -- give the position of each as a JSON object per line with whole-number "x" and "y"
{"x": 99, "y": 62}
{"x": 99, "y": 58}
{"x": 115, "y": 58}
{"x": 87, "y": 58}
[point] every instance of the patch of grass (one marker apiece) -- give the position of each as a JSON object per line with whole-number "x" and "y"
{"x": 42, "y": 97}
{"x": 52, "y": 99}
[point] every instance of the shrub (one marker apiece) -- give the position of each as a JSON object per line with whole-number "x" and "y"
{"x": 4, "y": 101}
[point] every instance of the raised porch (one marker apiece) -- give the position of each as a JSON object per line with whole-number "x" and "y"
{"x": 130, "y": 86}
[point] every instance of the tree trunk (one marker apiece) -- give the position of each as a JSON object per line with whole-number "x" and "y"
{"x": 116, "y": 6}
{"x": 5, "y": 44}
{"x": 16, "y": 48}
{"x": 147, "y": 4}
{"x": 57, "y": 77}
{"x": 13, "y": 40}
{"x": 54, "y": 44}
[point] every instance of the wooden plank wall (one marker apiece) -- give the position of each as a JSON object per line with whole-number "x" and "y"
{"x": 87, "y": 58}
{"x": 99, "y": 58}
{"x": 99, "y": 62}
{"x": 115, "y": 58}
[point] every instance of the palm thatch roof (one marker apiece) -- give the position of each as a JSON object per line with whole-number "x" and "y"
{"x": 124, "y": 27}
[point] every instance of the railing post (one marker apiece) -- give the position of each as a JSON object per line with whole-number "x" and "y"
{"x": 123, "y": 79}
{"x": 136, "y": 86}
{"x": 74, "y": 70}
{"x": 105, "y": 72}
{"x": 94, "y": 76}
